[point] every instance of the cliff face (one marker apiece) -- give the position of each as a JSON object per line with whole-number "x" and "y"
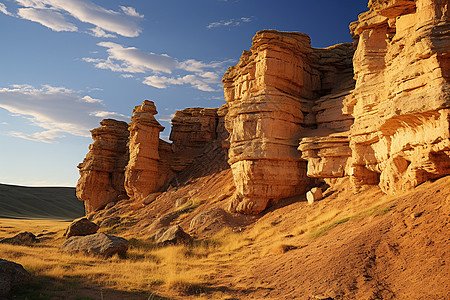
{"x": 400, "y": 135}
{"x": 271, "y": 94}
{"x": 379, "y": 115}
{"x": 102, "y": 171}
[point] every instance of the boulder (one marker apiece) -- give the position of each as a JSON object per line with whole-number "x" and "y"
{"x": 315, "y": 194}
{"x": 173, "y": 236}
{"x": 101, "y": 244}
{"x": 22, "y": 238}
{"x": 81, "y": 227}
{"x": 12, "y": 275}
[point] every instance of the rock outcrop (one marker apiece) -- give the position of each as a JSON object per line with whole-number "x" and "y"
{"x": 268, "y": 93}
{"x": 142, "y": 175}
{"x": 102, "y": 172}
{"x": 400, "y": 135}
{"x": 192, "y": 130}
{"x": 278, "y": 90}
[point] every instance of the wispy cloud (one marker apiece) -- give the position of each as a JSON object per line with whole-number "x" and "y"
{"x": 130, "y": 60}
{"x": 49, "y": 18}
{"x": 4, "y": 10}
{"x": 229, "y": 23}
{"x": 56, "y": 110}
{"x": 53, "y": 14}
{"x": 98, "y": 32}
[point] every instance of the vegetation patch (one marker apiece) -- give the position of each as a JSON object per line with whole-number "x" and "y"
{"x": 324, "y": 230}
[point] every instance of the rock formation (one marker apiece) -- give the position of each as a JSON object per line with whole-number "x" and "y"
{"x": 192, "y": 130}
{"x": 400, "y": 135}
{"x": 271, "y": 94}
{"x": 102, "y": 171}
{"x": 142, "y": 172}
{"x": 132, "y": 162}
{"x": 379, "y": 114}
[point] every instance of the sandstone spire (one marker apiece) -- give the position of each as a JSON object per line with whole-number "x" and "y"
{"x": 102, "y": 171}
{"x": 142, "y": 172}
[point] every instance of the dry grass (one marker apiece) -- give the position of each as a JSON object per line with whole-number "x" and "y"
{"x": 146, "y": 268}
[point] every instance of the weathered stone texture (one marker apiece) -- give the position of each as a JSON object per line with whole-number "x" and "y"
{"x": 142, "y": 172}
{"x": 102, "y": 171}
{"x": 400, "y": 135}
{"x": 267, "y": 93}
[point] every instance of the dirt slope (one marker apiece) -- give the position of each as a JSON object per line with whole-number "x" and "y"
{"x": 383, "y": 248}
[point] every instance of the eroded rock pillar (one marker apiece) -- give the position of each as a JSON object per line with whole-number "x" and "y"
{"x": 142, "y": 172}
{"x": 102, "y": 172}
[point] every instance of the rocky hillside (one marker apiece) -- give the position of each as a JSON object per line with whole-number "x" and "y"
{"x": 367, "y": 123}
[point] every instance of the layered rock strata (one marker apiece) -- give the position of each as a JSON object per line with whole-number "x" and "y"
{"x": 102, "y": 171}
{"x": 268, "y": 93}
{"x": 142, "y": 175}
{"x": 400, "y": 135}
{"x": 192, "y": 129}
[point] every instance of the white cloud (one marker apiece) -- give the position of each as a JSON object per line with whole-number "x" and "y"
{"x": 3, "y": 123}
{"x": 47, "y": 136}
{"x": 200, "y": 75}
{"x": 131, "y": 11}
{"x": 230, "y": 22}
{"x": 133, "y": 60}
{"x": 196, "y": 81}
{"x": 49, "y": 18}
{"x": 98, "y": 32}
{"x": 127, "y": 76}
{"x": 166, "y": 118}
{"x": 89, "y": 99}
{"x": 122, "y": 22}
{"x": 109, "y": 114}
{"x": 56, "y": 110}
{"x": 4, "y": 10}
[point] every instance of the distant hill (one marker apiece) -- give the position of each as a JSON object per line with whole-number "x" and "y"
{"x": 39, "y": 202}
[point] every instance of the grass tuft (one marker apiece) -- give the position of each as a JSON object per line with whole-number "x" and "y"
{"x": 324, "y": 230}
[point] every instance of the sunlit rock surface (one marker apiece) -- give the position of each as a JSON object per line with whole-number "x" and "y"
{"x": 102, "y": 171}
{"x": 400, "y": 135}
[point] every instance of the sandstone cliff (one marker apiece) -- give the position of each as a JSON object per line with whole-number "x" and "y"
{"x": 272, "y": 95}
{"x": 102, "y": 171}
{"x": 400, "y": 135}
{"x": 379, "y": 115}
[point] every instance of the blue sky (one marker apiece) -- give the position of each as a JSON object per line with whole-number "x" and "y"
{"x": 67, "y": 64}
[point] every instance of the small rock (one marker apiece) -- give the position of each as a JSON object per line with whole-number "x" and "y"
{"x": 22, "y": 238}
{"x": 81, "y": 227}
{"x": 150, "y": 198}
{"x": 11, "y": 275}
{"x": 99, "y": 244}
{"x": 173, "y": 236}
{"x": 315, "y": 194}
